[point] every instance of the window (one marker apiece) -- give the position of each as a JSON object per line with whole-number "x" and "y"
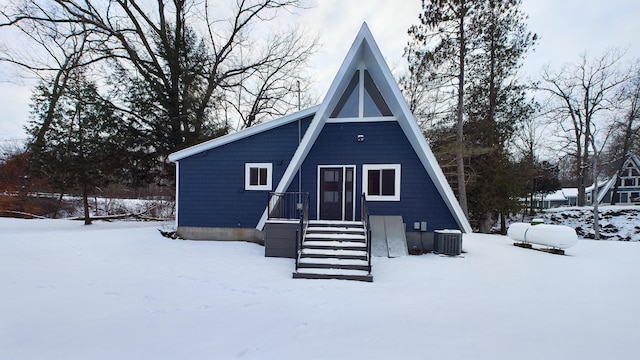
{"x": 361, "y": 98}
{"x": 629, "y": 182}
{"x": 257, "y": 176}
{"x": 381, "y": 182}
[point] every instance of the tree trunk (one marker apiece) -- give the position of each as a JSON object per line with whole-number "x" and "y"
{"x": 85, "y": 199}
{"x": 484, "y": 224}
{"x": 58, "y": 204}
{"x": 462, "y": 189}
{"x": 594, "y": 199}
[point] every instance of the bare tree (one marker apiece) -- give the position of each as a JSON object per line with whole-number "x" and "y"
{"x": 274, "y": 89}
{"x": 183, "y": 58}
{"x": 628, "y": 129}
{"x": 583, "y": 97}
{"x": 54, "y": 51}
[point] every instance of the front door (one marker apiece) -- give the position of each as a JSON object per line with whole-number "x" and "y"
{"x": 336, "y": 192}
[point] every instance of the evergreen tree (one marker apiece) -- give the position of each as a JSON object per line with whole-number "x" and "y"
{"x": 483, "y": 42}
{"x": 85, "y": 145}
{"x": 439, "y": 50}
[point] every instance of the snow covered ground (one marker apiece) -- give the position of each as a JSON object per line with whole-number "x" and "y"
{"x": 617, "y": 222}
{"x": 121, "y": 291}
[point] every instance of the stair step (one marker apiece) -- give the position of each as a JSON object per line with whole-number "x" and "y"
{"x": 332, "y": 266}
{"x": 339, "y": 274}
{"x": 335, "y": 245}
{"x": 333, "y": 263}
{"x": 334, "y": 236}
{"x": 338, "y": 254}
{"x": 335, "y": 229}
{"x": 334, "y": 250}
{"x": 334, "y": 223}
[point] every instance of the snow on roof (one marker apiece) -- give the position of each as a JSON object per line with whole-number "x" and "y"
{"x": 556, "y": 196}
{"x": 600, "y": 184}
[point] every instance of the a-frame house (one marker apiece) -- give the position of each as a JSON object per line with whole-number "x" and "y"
{"x": 360, "y": 152}
{"x": 628, "y": 181}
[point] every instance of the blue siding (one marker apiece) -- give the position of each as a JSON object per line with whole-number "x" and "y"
{"x": 212, "y": 191}
{"x": 384, "y": 143}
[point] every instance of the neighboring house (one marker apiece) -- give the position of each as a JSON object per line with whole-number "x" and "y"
{"x": 361, "y": 140}
{"x": 628, "y": 184}
{"x": 562, "y": 197}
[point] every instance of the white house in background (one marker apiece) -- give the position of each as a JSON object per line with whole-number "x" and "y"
{"x": 562, "y": 197}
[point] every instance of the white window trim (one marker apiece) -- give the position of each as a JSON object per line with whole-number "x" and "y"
{"x": 365, "y": 181}
{"x": 247, "y": 176}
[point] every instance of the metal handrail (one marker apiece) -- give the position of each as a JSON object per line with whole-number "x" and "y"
{"x": 364, "y": 216}
{"x": 287, "y": 205}
{"x": 302, "y": 229}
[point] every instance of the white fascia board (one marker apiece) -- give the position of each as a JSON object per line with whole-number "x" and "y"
{"x": 177, "y": 194}
{"x": 430, "y": 163}
{"x": 607, "y": 187}
{"x": 226, "y": 139}
{"x": 634, "y": 159}
{"x": 303, "y": 149}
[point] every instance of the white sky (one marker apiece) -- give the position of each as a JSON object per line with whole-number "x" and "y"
{"x": 567, "y": 29}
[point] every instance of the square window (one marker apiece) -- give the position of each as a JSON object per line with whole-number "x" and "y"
{"x": 381, "y": 182}
{"x": 257, "y": 176}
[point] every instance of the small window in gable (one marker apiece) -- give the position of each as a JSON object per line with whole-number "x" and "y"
{"x": 381, "y": 182}
{"x": 257, "y": 176}
{"x": 348, "y": 104}
{"x": 374, "y": 104}
{"x": 361, "y": 98}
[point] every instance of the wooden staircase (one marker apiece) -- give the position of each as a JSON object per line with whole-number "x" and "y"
{"x": 334, "y": 250}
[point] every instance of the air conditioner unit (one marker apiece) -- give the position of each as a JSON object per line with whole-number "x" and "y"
{"x": 447, "y": 242}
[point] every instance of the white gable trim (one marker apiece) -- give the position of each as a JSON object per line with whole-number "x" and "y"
{"x": 223, "y": 140}
{"x": 362, "y": 120}
{"x": 365, "y": 50}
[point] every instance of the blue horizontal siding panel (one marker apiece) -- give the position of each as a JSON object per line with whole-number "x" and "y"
{"x": 212, "y": 182}
{"x": 384, "y": 143}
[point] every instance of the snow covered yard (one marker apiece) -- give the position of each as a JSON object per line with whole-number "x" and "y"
{"x": 121, "y": 291}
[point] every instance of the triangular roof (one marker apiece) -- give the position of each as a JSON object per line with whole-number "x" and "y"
{"x": 632, "y": 158}
{"x": 364, "y": 50}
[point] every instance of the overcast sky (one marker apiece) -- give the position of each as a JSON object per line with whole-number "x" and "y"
{"x": 567, "y": 29}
